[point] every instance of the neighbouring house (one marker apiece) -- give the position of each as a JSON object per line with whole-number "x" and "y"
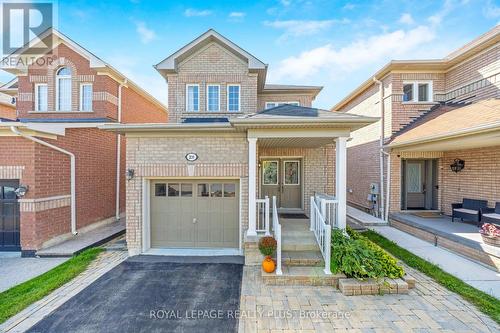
{"x": 199, "y": 184}
{"x": 438, "y": 138}
{"x": 59, "y": 173}
{"x": 7, "y": 103}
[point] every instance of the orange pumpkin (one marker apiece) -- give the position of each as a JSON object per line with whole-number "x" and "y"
{"x": 268, "y": 265}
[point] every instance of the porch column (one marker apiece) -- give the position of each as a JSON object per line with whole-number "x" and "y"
{"x": 252, "y": 176}
{"x": 341, "y": 180}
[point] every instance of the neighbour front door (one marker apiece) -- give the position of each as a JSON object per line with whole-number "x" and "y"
{"x": 9, "y": 216}
{"x": 415, "y": 184}
{"x": 281, "y": 177}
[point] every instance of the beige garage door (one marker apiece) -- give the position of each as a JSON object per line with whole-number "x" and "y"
{"x": 194, "y": 214}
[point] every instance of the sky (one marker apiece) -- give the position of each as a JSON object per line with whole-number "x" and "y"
{"x": 335, "y": 44}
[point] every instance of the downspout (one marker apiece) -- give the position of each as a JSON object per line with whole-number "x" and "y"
{"x": 73, "y": 172}
{"x": 118, "y": 152}
{"x": 388, "y": 190}
{"x": 381, "y": 145}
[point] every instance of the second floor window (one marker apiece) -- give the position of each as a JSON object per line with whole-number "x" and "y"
{"x": 213, "y": 97}
{"x": 270, "y": 105}
{"x": 63, "y": 89}
{"x": 417, "y": 92}
{"x": 86, "y": 97}
{"x": 233, "y": 98}
{"x": 192, "y": 97}
{"x": 41, "y": 97}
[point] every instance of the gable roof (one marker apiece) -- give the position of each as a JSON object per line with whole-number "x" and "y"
{"x": 480, "y": 117}
{"x": 96, "y": 63}
{"x": 169, "y": 64}
{"x": 481, "y": 43}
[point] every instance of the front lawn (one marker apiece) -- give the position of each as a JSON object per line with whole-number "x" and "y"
{"x": 21, "y": 296}
{"x": 484, "y": 302}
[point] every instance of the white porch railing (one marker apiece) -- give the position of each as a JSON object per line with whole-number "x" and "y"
{"x": 322, "y": 232}
{"x": 277, "y": 236}
{"x": 328, "y": 206}
{"x": 262, "y": 223}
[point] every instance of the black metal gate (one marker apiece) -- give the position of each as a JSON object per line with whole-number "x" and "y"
{"x": 9, "y": 216}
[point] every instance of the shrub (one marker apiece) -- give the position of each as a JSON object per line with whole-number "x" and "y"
{"x": 267, "y": 245}
{"x": 358, "y": 257}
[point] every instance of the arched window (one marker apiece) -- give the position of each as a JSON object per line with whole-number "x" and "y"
{"x": 63, "y": 89}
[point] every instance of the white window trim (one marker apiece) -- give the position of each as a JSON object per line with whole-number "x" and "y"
{"x": 91, "y": 97}
{"x": 239, "y": 97}
{"x": 218, "y": 106}
{"x": 415, "y": 100}
{"x": 58, "y": 78}
{"x": 291, "y": 102}
{"x": 36, "y": 96}
{"x": 187, "y": 96}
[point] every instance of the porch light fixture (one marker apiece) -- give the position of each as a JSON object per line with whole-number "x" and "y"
{"x": 130, "y": 174}
{"x": 457, "y": 165}
{"x": 21, "y": 191}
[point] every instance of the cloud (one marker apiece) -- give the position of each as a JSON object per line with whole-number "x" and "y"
{"x": 146, "y": 35}
{"x": 298, "y": 28}
{"x": 355, "y": 55}
{"x": 236, "y": 16}
{"x": 286, "y": 3}
{"x": 406, "y": 18}
{"x": 448, "y": 6}
{"x": 349, "y": 6}
{"x": 491, "y": 10}
{"x": 190, "y": 12}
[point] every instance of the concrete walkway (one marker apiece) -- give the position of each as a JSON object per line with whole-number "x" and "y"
{"x": 364, "y": 218}
{"x": 83, "y": 241}
{"x": 15, "y": 270}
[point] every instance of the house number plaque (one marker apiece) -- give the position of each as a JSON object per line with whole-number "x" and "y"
{"x": 191, "y": 157}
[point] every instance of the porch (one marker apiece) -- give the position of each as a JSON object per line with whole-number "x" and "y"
{"x": 461, "y": 238}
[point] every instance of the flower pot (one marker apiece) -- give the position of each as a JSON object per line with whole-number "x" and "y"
{"x": 491, "y": 240}
{"x": 268, "y": 265}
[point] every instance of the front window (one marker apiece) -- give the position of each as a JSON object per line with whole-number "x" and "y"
{"x": 233, "y": 98}
{"x": 86, "y": 97}
{"x": 213, "y": 98}
{"x": 417, "y": 92}
{"x": 41, "y": 97}
{"x": 63, "y": 89}
{"x": 192, "y": 97}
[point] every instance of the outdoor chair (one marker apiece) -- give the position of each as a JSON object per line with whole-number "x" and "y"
{"x": 468, "y": 210}
{"x": 491, "y": 215}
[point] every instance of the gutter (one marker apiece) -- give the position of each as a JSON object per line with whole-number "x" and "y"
{"x": 73, "y": 172}
{"x": 381, "y": 145}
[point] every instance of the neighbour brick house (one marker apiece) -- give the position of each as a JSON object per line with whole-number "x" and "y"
{"x": 433, "y": 112}
{"x": 199, "y": 183}
{"x": 60, "y": 104}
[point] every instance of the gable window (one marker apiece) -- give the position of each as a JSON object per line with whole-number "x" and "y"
{"x": 86, "y": 97}
{"x": 270, "y": 105}
{"x": 417, "y": 92}
{"x": 213, "y": 97}
{"x": 233, "y": 98}
{"x": 41, "y": 97}
{"x": 192, "y": 97}
{"x": 63, "y": 89}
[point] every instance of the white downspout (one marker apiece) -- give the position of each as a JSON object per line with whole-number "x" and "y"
{"x": 388, "y": 191}
{"x": 381, "y": 145}
{"x": 118, "y": 153}
{"x": 73, "y": 172}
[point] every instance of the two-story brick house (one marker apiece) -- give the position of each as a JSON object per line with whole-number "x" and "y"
{"x": 72, "y": 172}
{"x": 198, "y": 184}
{"x": 432, "y": 112}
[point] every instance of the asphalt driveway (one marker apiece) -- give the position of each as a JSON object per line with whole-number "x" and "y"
{"x": 155, "y": 294}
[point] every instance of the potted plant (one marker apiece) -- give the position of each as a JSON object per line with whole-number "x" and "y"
{"x": 267, "y": 246}
{"x": 490, "y": 234}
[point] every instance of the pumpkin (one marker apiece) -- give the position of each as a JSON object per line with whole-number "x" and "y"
{"x": 268, "y": 265}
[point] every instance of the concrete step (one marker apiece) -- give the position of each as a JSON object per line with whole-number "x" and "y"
{"x": 302, "y": 258}
{"x": 302, "y": 276}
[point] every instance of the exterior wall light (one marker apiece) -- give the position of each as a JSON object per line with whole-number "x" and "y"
{"x": 21, "y": 191}
{"x": 457, "y": 165}
{"x": 130, "y": 174}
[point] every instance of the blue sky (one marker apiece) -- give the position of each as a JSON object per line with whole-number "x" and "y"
{"x": 336, "y": 44}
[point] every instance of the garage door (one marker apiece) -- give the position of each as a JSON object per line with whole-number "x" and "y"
{"x": 194, "y": 214}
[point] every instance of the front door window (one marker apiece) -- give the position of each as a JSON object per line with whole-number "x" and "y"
{"x": 270, "y": 173}
{"x": 281, "y": 178}
{"x": 291, "y": 173}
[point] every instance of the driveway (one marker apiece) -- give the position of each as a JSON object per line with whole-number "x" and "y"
{"x": 155, "y": 294}
{"x": 15, "y": 270}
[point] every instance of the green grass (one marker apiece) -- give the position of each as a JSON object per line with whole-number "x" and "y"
{"x": 484, "y": 302}
{"x": 21, "y": 296}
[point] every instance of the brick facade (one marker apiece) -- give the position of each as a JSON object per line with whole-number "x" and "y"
{"x": 475, "y": 78}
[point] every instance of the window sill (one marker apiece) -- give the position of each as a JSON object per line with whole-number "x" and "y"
{"x": 58, "y": 112}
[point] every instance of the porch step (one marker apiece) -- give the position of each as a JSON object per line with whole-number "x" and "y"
{"x": 302, "y": 276}
{"x": 302, "y": 258}
{"x": 296, "y": 236}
